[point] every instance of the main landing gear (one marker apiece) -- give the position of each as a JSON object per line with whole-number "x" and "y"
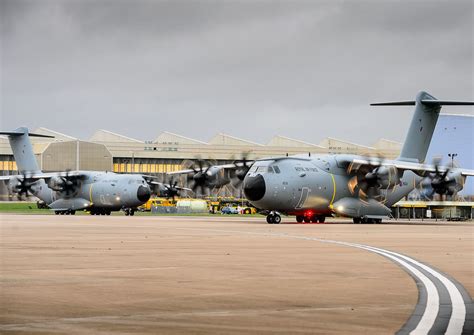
{"x": 100, "y": 211}
{"x": 366, "y": 220}
{"x": 68, "y": 212}
{"x": 129, "y": 211}
{"x": 308, "y": 219}
{"x": 273, "y": 218}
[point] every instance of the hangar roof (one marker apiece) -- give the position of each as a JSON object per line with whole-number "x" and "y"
{"x": 167, "y": 137}
{"x": 330, "y": 142}
{"x": 224, "y": 139}
{"x": 283, "y": 141}
{"x": 383, "y": 143}
{"x": 102, "y": 135}
{"x": 57, "y": 135}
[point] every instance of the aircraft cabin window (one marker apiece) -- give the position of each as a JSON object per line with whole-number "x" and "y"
{"x": 276, "y": 168}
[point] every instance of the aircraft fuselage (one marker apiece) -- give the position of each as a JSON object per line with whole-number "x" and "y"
{"x": 301, "y": 183}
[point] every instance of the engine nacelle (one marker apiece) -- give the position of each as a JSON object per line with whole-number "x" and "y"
{"x": 55, "y": 183}
{"x": 13, "y": 184}
{"x": 389, "y": 177}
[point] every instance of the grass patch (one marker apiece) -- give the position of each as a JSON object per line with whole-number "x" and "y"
{"x": 31, "y": 208}
{"x": 22, "y": 207}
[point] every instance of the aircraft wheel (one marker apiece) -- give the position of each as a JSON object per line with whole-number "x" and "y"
{"x": 299, "y": 218}
{"x": 314, "y": 219}
{"x": 270, "y": 218}
{"x": 127, "y": 213}
{"x": 276, "y": 219}
{"x": 356, "y": 220}
{"x": 107, "y": 213}
{"x": 73, "y": 212}
{"x": 306, "y": 220}
{"x": 61, "y": 212}
{"x": 321, "y": 219}
{"x": 132, "y": 212}
{"x": 56, "y": 212}
{"x": 378, "y": 220}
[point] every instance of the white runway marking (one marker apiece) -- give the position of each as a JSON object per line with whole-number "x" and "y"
{"x": 432, "y": 307}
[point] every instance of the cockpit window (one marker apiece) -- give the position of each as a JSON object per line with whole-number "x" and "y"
{"x": 261, "y": 169}
{"x": 270, "y": 169}
{"x": 276, "y": 168}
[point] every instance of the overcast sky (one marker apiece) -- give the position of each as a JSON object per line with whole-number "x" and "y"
{"x": 252, "y": 69}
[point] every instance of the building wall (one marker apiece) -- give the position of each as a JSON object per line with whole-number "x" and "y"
{"x": 60, "y": 156}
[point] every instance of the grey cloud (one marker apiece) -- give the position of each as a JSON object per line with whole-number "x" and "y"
{"x": 253, "y": 69}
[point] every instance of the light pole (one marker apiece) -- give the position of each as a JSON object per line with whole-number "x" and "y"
{"x": 452, "y": 159}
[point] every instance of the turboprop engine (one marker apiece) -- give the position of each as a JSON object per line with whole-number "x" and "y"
{"x": 385, "y": 176}
{"x": 370, "y": 179}
{"x": 448, "y": 183}
{"x": 21, "y": 185}
{"x": 67, "y": 184}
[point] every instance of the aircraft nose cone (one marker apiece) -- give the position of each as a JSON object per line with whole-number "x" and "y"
{"x": 254, "y": 188}
{"x": 143, "y": 193}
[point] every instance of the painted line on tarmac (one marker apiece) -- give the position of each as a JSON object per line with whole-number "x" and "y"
{"x": 444, "y": 306}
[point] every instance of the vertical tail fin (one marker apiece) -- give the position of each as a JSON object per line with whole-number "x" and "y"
{"x": 422, "y": 124}
{"x": 22, "y": 149}
{"x": 421, "y": 129}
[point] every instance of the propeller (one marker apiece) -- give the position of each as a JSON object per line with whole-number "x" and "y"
{"x": 369, "y": 179}
{"x": 171, "y": 190}
{"x": 67, "y": 184}
{"x": 242, "y": 167}
{"x": 23, "y": 186}
{"x": 200, "y": 179}
{"x": 442, "y": 182}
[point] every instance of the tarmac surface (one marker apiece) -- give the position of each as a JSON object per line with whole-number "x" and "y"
{"x": 232, "y": 275}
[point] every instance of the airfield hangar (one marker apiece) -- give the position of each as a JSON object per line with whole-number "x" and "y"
{"x": 108, "y": 151}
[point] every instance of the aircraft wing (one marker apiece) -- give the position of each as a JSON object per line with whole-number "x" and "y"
{"x": 46, "y": 176}
{"x": 219, "y": 167}
{"x": 157, "y": 183}
{"x": 238, "y": 164}
{"x": 420, "y": 169}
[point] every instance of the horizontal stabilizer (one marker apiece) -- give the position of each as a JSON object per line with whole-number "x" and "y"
{"x": 396, "y": 103}
{"x": 425, "y": 102}
{"x": 19, "y": 133}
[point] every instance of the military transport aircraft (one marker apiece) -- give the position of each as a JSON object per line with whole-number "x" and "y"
{"x": 312, "y": 187}
{"x": 69, "y": 191}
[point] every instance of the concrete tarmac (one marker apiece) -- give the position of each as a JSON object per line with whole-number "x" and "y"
{"x": 200, "y": 275}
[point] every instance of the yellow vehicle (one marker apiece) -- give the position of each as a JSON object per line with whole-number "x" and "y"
{"x": 146, "y": 207}
{"x": 242, "y": 205}
{"x": 248, "y": 210}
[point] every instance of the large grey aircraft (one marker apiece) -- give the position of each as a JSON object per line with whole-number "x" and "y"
{"x": 66, "y": 192}
{"x": 313, "y": 187}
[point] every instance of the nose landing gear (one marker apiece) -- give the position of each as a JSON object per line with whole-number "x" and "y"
{"x": 273, "y": 218}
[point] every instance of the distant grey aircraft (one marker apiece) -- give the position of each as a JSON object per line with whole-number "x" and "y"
{"x": 69, "y": 191}
{"x": 312, "y": 187}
